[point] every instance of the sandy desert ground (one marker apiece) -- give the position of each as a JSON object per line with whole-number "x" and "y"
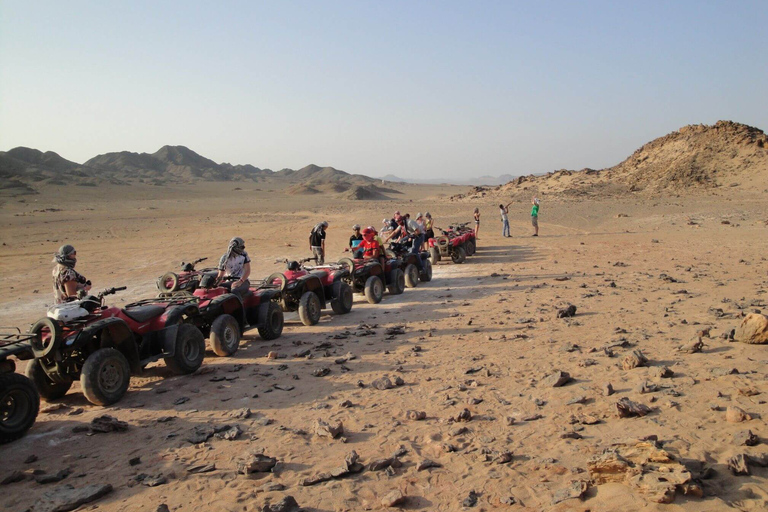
{"x": 482, "y": 336}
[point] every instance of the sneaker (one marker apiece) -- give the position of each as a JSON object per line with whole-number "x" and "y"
{"x": 534, "y": 234}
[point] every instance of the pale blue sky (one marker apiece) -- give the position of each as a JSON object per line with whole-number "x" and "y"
{"x": 417, "y": 89}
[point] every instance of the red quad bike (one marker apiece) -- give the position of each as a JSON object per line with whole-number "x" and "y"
{"x": 103, "y": 345}
{"x": 19, "y": 401}
{"x": 187, "y": 280}
{"x": 453, "y": 243}
{"x": 226, "y": 315}
{"x": 367, "y": 276}
{"x": 307, "y": 289}
{"x": 401, "y": 251}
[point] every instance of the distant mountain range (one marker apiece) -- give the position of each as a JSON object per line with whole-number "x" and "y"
{"x": 22, "y": 169}
{"x": 487, "y": 181}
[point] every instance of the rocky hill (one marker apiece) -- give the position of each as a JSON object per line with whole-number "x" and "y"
{"x": 24, "y": 169}
{"x": 695, "y": 158}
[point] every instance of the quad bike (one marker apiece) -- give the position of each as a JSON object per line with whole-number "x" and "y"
{"x": 401, "y": 251}
{"x": 455, "y": 243}
{"x": 369, "y": 277}
{"x": 307, "y": 289}
{"x": 186, "y": 280}
{"x": 19, "y": 401}
{"x": 103, "y": 345}
{"x": 226, "y": 315}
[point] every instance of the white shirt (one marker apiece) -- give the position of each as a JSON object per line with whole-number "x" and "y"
{"x": 234, "y": 265}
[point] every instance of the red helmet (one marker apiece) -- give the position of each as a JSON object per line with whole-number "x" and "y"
{"x": 368, "y": 231}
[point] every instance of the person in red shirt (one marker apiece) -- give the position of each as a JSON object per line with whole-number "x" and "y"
{"x": 371, "y": 246}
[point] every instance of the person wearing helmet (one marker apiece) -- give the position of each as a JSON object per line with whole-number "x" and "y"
{"x": 386, "y": 226}
{"x": 317, "y": 241}
{"x": 235, "y": 264}
{"x": 372, "y": 245}
{"x": 356, "y": 237}
{"x": 68, "y": 284}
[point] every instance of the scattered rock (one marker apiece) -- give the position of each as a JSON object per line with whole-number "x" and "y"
{"x": 393, "y": 499}
{"x": 53, "y": 478}
{"x": 415, "y": 415}
{"x": 287, "y": 504}
{"x": 201, "y": 468}
{"x": 745, "y": 438}
{"x": 229, "y": 434}
{"x": 256, "y": 463}
{"x": 576, "y": 489}
{"x": 382, "y": 383}
{"x": 321, "y": 372}
{"x": 567, "y": 312}
{"x": 66, "y": 497}
{"x": 633, "y": 360}
{"x": 692, "y": 347}
{"x": 556, "y": 379}
{"x": 12, "y": 477}
{"x": 608, "y": 389}
{"x": 464, "y": 415}
{"x": 753, "y": 329}
{"x": 470, "y": 500}
{"x": 106, "y": 423}
{"x": 628, "y": 409}
{"x": 735, "y": 414}
{"x": 323, "y": 429}
{"x": 738, "y": 465}
{"x": 663, "y": 372}
{"x": 426, "y": 464}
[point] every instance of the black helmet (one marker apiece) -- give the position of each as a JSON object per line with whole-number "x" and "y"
{"x": 208, "y": 281}
{"x": 293, "y": 265}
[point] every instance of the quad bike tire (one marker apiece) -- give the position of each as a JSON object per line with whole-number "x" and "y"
{"x": 19, "y": 405}
{"x": 434, "y": 255}
{"x": 105, "y": 376}
{"x": 458, "y": 255}
{"x": 309, "y": 308}
{"x": 426, "y": 275}
{"x": 281, "y": 277}
{"x": 347, "y": 262}
{"x": 46, "y": 388}
{"x": 45, "y": 348}
{"x": 342, "y": 298}
{"x": 225, "y": 335}
{"x": 189, "y": 350}
{"x": 374, "y": 289}
{"x": 470, "y": 247}
{"x": 411, "y": 276}
{"x": 397, "y": 282}
{"x": 272, "y": 326}
{"x": 168, "y": 282}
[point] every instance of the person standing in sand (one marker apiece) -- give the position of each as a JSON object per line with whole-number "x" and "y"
{"x": 429, "y": 225}
{"x": 504, "y": 211}
{"x": 317, "y": 241}
{"x": 477, "y": 222}
{"x": 535, "y": 216}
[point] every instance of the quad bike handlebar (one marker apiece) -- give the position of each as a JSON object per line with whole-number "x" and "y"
{"x": 300, "y": 262}
{"x": 111, "y": 291}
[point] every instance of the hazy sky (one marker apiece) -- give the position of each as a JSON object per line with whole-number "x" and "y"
{"x": 417, "y": 89}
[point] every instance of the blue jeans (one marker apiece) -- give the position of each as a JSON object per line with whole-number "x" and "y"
{"x": 505, "y": 228}
{"x": 418, "y": 241}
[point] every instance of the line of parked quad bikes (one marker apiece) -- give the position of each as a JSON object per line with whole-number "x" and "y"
{"x": 102, "y": 345}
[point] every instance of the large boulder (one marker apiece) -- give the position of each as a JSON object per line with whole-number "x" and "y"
{"x": 753, "y": 329}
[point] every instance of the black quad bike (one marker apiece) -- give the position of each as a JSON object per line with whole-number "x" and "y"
{"x": 369, "y": 277}
{"x": 409, "y": 261}
{"x": 19, "y": 400}
{"x": 101, "y": 346}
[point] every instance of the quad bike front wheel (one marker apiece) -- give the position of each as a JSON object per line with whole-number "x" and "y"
{"x": 189, "y": 350}
{"x": 397, "y": 282}
{"x": 47, "y": 388}
{"x": 309, "y": 308}
{"x": 470, "y": 247}
{"x": 458, "y": 255}
{"x": 434, "y": 255}
{"x": 411, "y": 276}
{"x": 271, "y": 326}
{"x": 426, "y": 275}
{"x": 342, "y": 298}
{"x": 374, "y": 289}
{"x": 19, "y": 405}
{"x": 168, "y": 282}
{"x": 105, "y": 376}
{"x": 225, "y": 335}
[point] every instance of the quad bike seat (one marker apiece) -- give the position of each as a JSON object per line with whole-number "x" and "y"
{"x": 144, "y": 313}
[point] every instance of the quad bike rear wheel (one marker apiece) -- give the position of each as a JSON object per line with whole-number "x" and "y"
{"x": 426, "y": 275}
{"x": 47, "y": 388}
{"x": 19, "y": 405}
{"x": 309, "y": 308}
{"x": 168, "y": 282}
{"x": 189, "y": 350}
{"x": 225, "y": 335}
{"x": 342, "y": 298}
{"x": 397, "y": 282}
{"x": 272, "y": 325}
{"x": 374, "y": 289}
{"x": 458, "y": 255}
{"x": 105, "y": 376}
{"x": 47, "y": 338}
{"x": 411, "y": 276}
{"x": 470, "y": 247}
{"x": 434, "y": 255}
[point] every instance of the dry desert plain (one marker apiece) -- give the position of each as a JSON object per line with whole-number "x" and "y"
{"x": 645, "y": 273}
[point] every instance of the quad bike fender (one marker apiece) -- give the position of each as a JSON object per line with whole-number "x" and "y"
{"x": 340, "y": 275}
{"x": 260, "y": 297}
{"x": 168, "y": 337}
{"x": 229, "y": 304}
{"x": 313, "y": 284}
{"x": 176, "y": 314}
{"x": 110, "y": 333}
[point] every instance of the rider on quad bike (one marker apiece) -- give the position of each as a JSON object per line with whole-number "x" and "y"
{"x": 235, "y": 263}
{"x": 67, "y": 282}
